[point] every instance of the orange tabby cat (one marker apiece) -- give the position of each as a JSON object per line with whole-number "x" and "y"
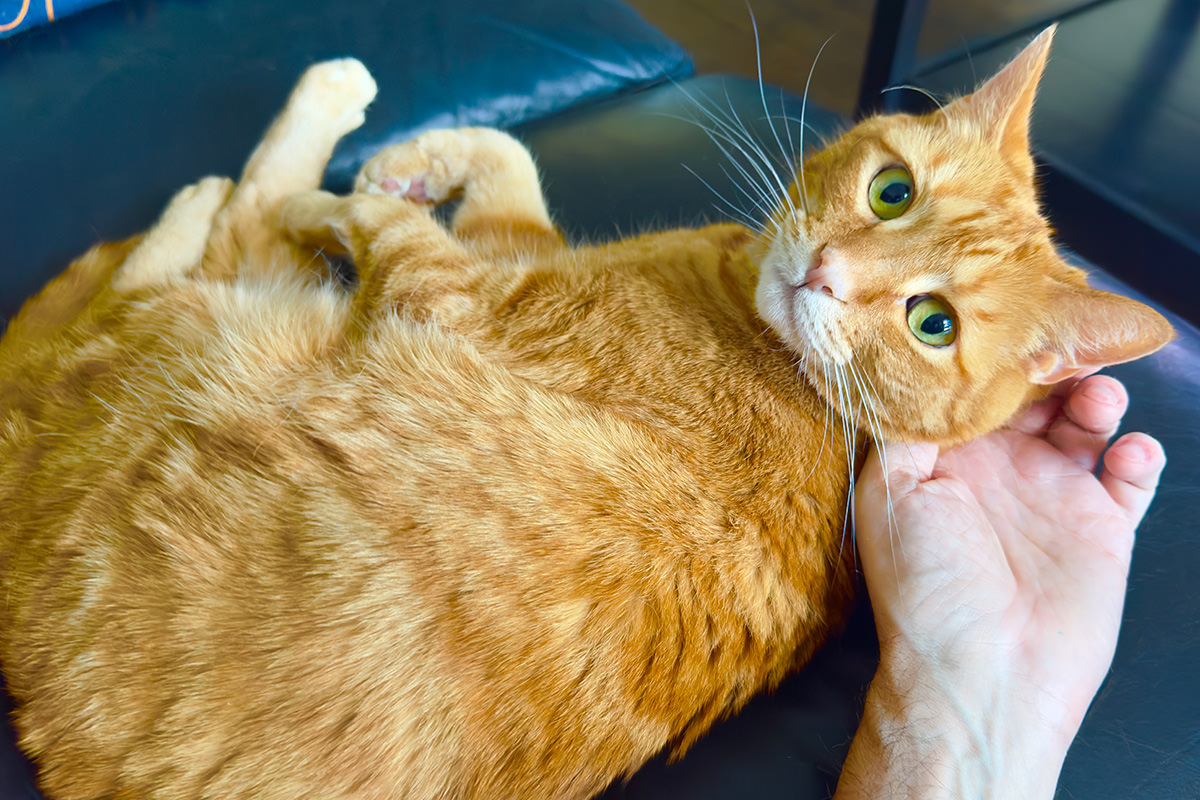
{"x": 507, "y": 518}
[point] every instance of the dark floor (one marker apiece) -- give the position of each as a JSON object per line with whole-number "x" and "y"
{"x": 720, "y": 36}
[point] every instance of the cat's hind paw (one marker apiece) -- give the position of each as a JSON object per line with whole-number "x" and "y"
{"x": 337, "y": 91}
{"x": 491, "y": 171}
{"x": 404, "y": 188}
{"x": 428, "y": 169}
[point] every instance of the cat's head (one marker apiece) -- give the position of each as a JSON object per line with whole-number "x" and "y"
{"x": 914, "y": 275}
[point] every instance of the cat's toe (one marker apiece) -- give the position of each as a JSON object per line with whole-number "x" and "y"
{"x": 413, "y": 189}
{"x": 351, "y": 79}
{"x": 428, "y": 169}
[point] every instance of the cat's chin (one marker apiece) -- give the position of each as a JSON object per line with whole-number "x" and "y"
{"x": 808, "y": 322}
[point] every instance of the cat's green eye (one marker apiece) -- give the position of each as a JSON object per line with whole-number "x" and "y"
{"x": 891, "y": 192}
{"x": 931, "y": 321}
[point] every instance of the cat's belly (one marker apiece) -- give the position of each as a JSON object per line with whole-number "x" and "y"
{"x": 277, "y": 564}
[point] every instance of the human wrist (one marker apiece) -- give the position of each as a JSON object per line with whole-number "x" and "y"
{"x": 928, "y": 734}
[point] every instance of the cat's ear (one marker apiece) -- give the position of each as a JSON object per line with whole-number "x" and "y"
{"x": 1003, "y": 105}
{"x": 1091, "y": 329}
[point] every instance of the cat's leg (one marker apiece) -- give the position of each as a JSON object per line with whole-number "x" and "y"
{"x": 157, "y": 258}
{"x": 405, "y": 260}
{"x": 327, "y": 103}
{"x": 177, "y": 241}
{"x": 501, "y": 205}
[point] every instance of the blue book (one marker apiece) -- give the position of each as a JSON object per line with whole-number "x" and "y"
{"x": 21, "y": 15}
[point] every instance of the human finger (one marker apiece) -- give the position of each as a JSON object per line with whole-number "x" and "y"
{"x": 1132, "y": 467}
{"x": 907, "y": 464}
{"x": 1037, "y": 418}
{"x": 1097, "y": 404}
{"x": 1090, "y": 416}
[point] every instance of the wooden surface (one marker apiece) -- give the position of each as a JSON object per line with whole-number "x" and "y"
{"x": 720, "y": 36}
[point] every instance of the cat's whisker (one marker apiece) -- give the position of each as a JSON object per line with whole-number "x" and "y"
{"x": 728, "y": 206}
{"x": 767, "y": 173}
{"x": 800, "y": 364}
{"x": 760, "y": 148}
{"x": 763, "y": 203}
{"x": 788, "y": 156}
{"x": 766, "y": 199}
{"x": 941, "y": 106}
{"x": 827, "y": 427}
{"x": 893, "y": 525}
{"x": 727, "y": 127}
{"x": 871, "y": 401}
{"x": 792, "y": 154}
{"x": 803, "y": 113}
{"x": 828, "y": 405}
{"x": 823, "y": 137}
{"x": 728, "y": 123}
{"x": 848, "y": 430}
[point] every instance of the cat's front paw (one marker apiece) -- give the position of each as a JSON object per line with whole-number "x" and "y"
{"x": 427, "y": 169}
{"x": 197, "y": 204}
{"x": 176, "y": 243}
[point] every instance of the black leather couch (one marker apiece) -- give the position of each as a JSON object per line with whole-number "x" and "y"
{"x": 104, "y": 115}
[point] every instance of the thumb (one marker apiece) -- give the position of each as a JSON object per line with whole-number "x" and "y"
{"x": 891, "y": 472}
{"x": 897, "y": 468}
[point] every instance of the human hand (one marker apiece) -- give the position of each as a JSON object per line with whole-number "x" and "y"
{"x": 998, "y": 580}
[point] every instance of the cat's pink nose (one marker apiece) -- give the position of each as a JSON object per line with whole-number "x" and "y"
{"x": 828, "y": 275}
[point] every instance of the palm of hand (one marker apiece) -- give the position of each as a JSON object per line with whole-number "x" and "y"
{"x": 1008, "y": 556}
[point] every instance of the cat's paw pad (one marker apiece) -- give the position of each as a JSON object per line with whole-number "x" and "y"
{"x": 404, "y": 188}
{"x": 427, "y": 169}
{"x": 338, "y": 90}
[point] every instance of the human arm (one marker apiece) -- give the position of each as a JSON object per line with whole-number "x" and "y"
{"x": 997, "y": 583}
